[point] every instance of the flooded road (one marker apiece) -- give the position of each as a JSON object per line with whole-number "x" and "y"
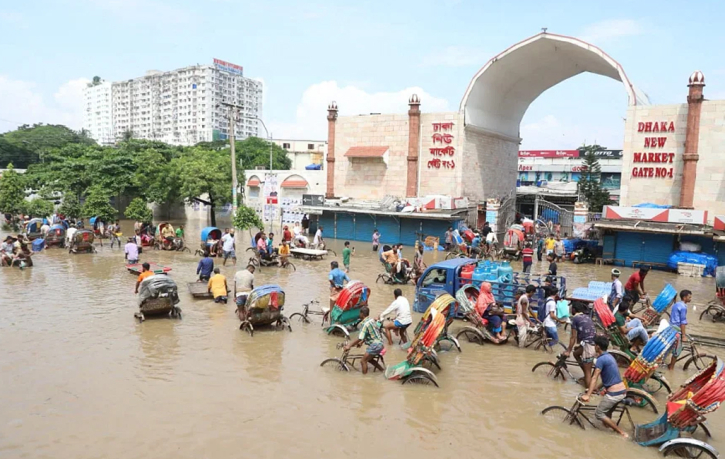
{"x": 81, "y": 378}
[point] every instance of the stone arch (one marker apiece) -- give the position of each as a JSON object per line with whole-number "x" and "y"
{"x": 502, "y": 90}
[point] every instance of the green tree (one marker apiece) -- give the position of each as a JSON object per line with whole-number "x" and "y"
{"x": 253, "y": 152}
{"x": 98, "y": 205}
{"x": 139, "y": 210}
{"x": 246, "y": 219}
{"x": 590, "y": 183}
{"x": 205, "y": 176}
{"x": 70, "y": 207}
{"x": 34, "y": 142}
{"x": 12, "y": 192}
{"x": 39, "y": 208}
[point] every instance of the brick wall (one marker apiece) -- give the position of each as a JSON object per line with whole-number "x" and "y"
{"x": 491, "y": 165}
{"x": 710, "y": 182}
{"x": 636, "y": 190}
{"x": 441, "y": 180}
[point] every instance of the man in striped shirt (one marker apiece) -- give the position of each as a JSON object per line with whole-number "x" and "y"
{"x": 371, "y": 336}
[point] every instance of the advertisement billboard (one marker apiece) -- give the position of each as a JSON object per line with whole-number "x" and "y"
{"x": 549, "y": 154}
{"x": 228, "y": 67}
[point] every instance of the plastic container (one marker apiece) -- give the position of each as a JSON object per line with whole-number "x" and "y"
{"x": 467, "y": 274}
{"x": 505, "y": 272}
{"x": 457, "y": 239}
{"x": 479, "y": 275}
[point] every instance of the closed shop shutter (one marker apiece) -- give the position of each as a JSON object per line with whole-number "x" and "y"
{"x": 389, "y": 228}
{"x": 344, "y": 227}
{"x": 327, "y": 221}
{"x": 610, "y": 243}
{"x": 438, "y": 228}
{"x": 408, "y": 229}
{"x": 721, "y": 253}
{"x": 657, "y": 247}
{"x": 365, "y": 224}
{"x": 629, "y": 247}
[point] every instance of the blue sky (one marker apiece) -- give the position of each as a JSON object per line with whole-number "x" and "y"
{"x": 368, "y": 56}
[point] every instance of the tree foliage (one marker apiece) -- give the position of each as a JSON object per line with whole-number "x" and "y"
{"x": 39, "y": 208}
{"x": 590, "y": 183}
{"x": 70, "y": 207}
{"x": 12, "y": 192}
{"x": 98, "y": 205}
{"x": 30, "y": 144}
{"x": 253, "y": 152}
{"x": 246, "y": 219}
{"x": 205, "y": 176}
{"x": 139, "y": 210}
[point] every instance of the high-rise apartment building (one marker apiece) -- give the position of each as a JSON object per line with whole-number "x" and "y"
{"x": 183, "y": 106}
{"x": 98, "y": 111}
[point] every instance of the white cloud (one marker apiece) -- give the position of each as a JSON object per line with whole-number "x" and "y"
{"x": 550, "y": 133}
{"x": 23, "y": 104}
{"x": 611, "y": 29}
{"x": 311, "y": 115}
{"x": 456, "y": 56}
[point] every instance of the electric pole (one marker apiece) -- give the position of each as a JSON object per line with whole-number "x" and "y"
{"x": 233, "y": 112}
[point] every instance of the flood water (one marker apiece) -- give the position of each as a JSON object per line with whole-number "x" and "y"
{"x": 81, "y": 378}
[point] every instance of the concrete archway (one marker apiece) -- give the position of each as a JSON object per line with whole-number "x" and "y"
{"x": 500, "y": 93}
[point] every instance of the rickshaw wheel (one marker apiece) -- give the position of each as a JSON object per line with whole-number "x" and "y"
{"x": 284, "y": 322}
{"x": 705, "y": 429}
{"x": 471, "y": 336}
{"x": 246, "y": 326}
{"x": 689, "y": 450}
{"x": 656, "y": 383}
{"x": 641, "y": 399}
{"x": 421, "y": 379}
{"x": 622, "y": 359}
{"x": 336, "y": 364}
{"x": 561, "y": 414}
{"x": 701, "y": 361}
{"x": 551, "y": 370}
{"x": 384, "y": 277}
{"x": 289, "y": 265}
{"x": 300, "y": 317}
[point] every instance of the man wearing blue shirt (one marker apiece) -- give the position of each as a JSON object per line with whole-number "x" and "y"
{"x": 616, "y": 391}
{"x": 205, "y": 267}
{"x": 337, "y": 279}
{"x": 678, "y": 318}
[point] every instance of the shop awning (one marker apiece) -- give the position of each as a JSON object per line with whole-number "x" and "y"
{"x": 294, "y": 181}
{"x": 367, "y": 152}
{"x": 640, "y": 226}
{"x": 253, "y": 181}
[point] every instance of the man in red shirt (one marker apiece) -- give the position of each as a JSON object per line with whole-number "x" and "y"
{"x": 286, "y": 235}
{"x": 634, "y": 288}
{"x": 527, "y": 257}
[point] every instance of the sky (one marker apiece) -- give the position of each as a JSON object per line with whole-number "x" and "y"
{"x": 368, "y": 56}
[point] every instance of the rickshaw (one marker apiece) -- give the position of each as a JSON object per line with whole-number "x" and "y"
{"x": 211, "y": 241}
{"x": 32, "y": 228}
{"x": 450, "y": 310}
{"x": 82, "y": 242}
{"x": 176, "y": 243}
{"x": 56, "y": 236}
{"x": 264, "y": 306}
{"x": 715, "y": 309}
{"x": 623, "y": 353}
{"x": 158, "y": 296}
{"x": 513, "y": 242}
{"x": 422, "y": 349}
{"x": 653, "y": 354}
{"x": 345, "y": 314}
{"x": 478, "y": 331}
{"x": 652, "y": 313}
{"x": 672, "y": 432}
{"x": 388, "y": 277}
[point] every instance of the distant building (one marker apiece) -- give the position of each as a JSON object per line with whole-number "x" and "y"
{"x": 179, "y": 107}
{"x": 302, "y": 153}
{"x": 98, "y": 112}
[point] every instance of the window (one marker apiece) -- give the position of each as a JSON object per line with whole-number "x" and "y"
{"x": 286, "y": 146}
{"x": 310, "y": 146}
{"x": 436, "y": 276}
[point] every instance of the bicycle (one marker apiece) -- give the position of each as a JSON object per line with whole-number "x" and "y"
{"x": 306, "y": 312}
{"x": 347, "y": 361}
{"x": 578, "y": 413}
{"x": 692, "y": 355}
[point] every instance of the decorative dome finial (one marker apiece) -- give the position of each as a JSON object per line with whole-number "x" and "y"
{"x": 697, "y": 78}
{"x": 414, "y": 100}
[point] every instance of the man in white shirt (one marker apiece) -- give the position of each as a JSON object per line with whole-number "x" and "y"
{"x": 228, "y": 247}
{"x": 317, "y": 241}
{"x": 70, "y": 233}
{"x": 551, "y": 319}
{"x": 617, "y": 292}
{"x": 402, "y": 320}
{"x": 44, "y": 229}
{"x": 243, "y": 285}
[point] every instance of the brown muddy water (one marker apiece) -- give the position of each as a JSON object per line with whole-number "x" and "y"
{"x": 81, "y": 378}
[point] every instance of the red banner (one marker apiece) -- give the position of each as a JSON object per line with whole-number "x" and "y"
{"x": 549, "y": 154}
